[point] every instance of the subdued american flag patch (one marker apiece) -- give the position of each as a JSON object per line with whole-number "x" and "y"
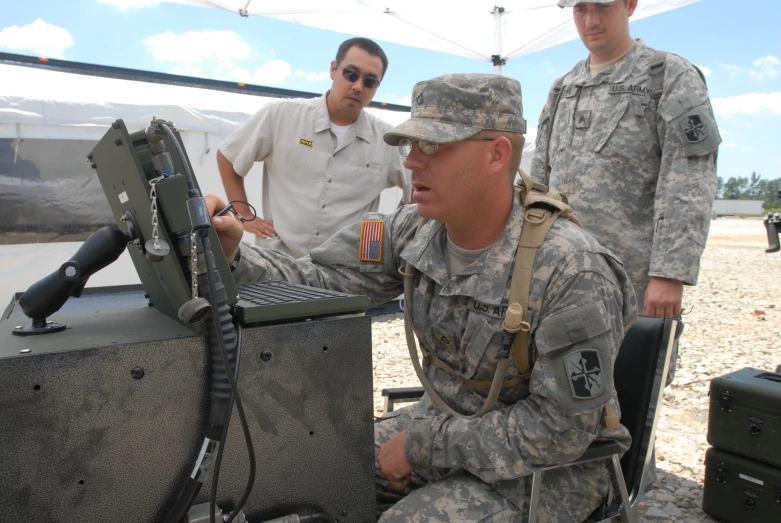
{"x": 371, "y": 240}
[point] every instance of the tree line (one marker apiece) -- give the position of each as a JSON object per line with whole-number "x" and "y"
{"x": 750, "y": 188}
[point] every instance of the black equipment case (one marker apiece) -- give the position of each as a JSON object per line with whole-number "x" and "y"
{"x": 741, "y": 490}
{"x": 745, "y": 415}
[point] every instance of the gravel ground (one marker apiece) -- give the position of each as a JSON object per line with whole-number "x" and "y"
{"x": 733, "y": 321}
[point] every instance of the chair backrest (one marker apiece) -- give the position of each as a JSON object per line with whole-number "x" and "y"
{"x": 640, "y": 373}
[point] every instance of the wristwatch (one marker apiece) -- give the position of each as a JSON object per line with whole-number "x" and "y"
{"x": 236, "y": 260}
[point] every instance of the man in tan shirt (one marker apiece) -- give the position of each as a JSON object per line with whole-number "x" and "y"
{"x": 324, "y": 159}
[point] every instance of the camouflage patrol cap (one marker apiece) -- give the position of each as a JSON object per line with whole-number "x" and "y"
{"x": 454, "y": 107}
{"x": 571, "y": 3}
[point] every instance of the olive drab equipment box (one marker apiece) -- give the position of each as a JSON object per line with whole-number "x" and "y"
{"x": 741, "y": 490}
{"x": 745, "y": 415}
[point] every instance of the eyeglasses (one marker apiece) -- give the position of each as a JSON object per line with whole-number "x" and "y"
{"x": 351, "y": 75}
{"x": 427, "y": 148}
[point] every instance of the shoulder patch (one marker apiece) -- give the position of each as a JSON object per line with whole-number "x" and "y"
{"x": 584, "y": 368}
{"x": 370, "y": 246}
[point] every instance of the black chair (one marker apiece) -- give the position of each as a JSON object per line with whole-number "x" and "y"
{"x": 639, "y": 373}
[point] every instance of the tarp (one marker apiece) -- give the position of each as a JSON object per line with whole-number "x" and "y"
{"x": 50, "y": 120}
{"x": 473, "y": 28}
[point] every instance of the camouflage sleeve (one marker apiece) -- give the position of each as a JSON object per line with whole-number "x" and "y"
{"x": 538, "y": 171}
{"x": 336, "y": 264}
{"x": 687, "y": 181}
{"x": 581, "y": 327}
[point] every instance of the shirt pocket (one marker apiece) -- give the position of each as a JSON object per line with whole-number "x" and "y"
{"x": 482, "y": 348}
{"x": 628, "y": 138}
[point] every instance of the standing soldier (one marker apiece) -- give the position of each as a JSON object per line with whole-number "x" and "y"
{"x": 629, "y": 136}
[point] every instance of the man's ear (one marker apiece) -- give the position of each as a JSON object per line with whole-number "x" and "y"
{"x": 632, "y": 5}
{"x": 334, "y": 67}
{"x": 500, "y": 155}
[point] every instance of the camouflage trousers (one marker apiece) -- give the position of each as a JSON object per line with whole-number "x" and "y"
{"x": 456, "y": 496}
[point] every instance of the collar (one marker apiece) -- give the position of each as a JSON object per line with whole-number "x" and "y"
{"x": 361, "y": 128}
{"x": 618, "y": 73}
{"x": 485, "y": 280}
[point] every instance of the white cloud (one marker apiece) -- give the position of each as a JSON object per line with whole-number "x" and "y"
{"x": 705, "y": 70}
{"x": 751, "y": 103}
{"x": 195, "y": 47}
{"x": 768, "y": 66}
{"x": 272, "y": 72}
{"x": 316, "y": 76}
{"x": 299, "y": 72}
{"x": 748, "y": 148}
{"x": 724, "y": 132}
{"x": 39, "y": 37}
{"x": 729, "y": 144}
{"x": 129, "y": 4}
{"x": 732, "y": 69}
{"x": 404, "y": 100}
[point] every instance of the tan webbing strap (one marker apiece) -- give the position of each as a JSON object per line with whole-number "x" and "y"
{"x": 538, "y": 220}
{"x": 536, "y": 224}
{"x": 501, "y": 369}
{"x": 475, "y": 384}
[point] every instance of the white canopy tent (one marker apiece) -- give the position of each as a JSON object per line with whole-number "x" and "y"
{"x": 492, "y": 30}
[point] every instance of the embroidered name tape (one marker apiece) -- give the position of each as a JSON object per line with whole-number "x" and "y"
{"x": 304, "y": 141}
{"x": 370, "y": 248}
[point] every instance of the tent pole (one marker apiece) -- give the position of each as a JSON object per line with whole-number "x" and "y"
{"x": 497, "y": 59}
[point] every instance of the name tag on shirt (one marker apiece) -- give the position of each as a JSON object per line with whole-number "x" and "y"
{"x": 569, "y": 91}
{"x": 305, "y": 142}
{"x": 494, "y": 311}
{"x": 630, "y": 89}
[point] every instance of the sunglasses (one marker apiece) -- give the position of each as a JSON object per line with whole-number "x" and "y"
{"x": 427, "y": 148}
{"x": 351, "y": 75}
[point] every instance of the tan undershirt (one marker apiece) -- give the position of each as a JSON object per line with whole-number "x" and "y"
{"x": 457, "y": 258}
{"x": 595, "y": 69}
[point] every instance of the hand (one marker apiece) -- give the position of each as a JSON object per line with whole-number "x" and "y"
{"x": 663, "y": 297}
{"x": 228, "y": 228}
{"x": 393, "y": 462}
{"x": 262, "y": 228}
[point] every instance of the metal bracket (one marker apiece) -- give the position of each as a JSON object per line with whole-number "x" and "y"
{"x": 721, "y": 473}
{"x": 726, "y": 401}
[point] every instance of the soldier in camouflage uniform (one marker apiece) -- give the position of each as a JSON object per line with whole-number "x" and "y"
{"x": 463, "y": 146}
{"x": 638, "y": 166}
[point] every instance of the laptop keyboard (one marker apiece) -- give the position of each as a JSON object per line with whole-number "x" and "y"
{"x": 277, "y": 293}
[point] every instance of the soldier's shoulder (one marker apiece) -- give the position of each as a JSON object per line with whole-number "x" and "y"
{"x": 567, "y": 237}
{"x": 575, "y": 71}
{"x": 573, "y": 250}
{"x": 674, "y": 63}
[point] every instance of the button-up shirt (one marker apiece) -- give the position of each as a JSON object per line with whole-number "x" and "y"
{"x": 311, "y": 187}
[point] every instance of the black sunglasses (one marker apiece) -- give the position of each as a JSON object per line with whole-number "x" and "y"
{"x": 351, "y": 75}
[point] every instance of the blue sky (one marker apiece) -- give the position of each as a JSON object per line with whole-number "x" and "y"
{"x": 736, "y": 43}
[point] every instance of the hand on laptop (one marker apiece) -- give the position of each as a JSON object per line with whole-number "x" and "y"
{"x": 229, "y": 228}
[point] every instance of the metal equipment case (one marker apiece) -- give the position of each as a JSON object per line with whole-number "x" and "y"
{"x": 745, "y": 415}
{"x": 102, "y": 422}
{"x": 741, "y": 490}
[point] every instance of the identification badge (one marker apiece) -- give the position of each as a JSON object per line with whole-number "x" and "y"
{"x": 305, "y": 142}
{"x": 370, "y": 247}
